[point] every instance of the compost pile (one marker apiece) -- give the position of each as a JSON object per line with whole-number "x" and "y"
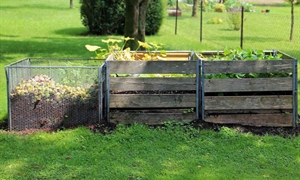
{"x": 40, "y": 102}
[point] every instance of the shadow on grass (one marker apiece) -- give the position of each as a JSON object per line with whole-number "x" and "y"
{"x": 80, "y": 31}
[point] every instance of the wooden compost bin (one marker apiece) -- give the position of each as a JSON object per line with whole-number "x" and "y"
{"x": 154, "y": 99}
{"x": 250, "y": 101}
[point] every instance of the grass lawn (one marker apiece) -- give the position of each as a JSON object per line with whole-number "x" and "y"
{"x": 138, "y": 152}
{"x": 37, "y": 28}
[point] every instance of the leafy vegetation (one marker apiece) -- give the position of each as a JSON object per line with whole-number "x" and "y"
{"x": 107, "y": 17}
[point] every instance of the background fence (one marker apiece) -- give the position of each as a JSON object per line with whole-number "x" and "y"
{"x": 261, "y": 29}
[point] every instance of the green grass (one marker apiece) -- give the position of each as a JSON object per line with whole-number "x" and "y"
{"x": 37, "y": 28}
{"x": 138, "y": 152}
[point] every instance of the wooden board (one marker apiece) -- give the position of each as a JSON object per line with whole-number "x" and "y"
{"x": 147, "y": 84}
{"x": 152, "y": 67}
{"x": 248, "y": 102}
{"x": 258, "y": 66}
{"x": 248, "y": 85}
{"x": 149, "y": 118}
{"x": 271, "y": 120}
{"x": 152, "y": 100}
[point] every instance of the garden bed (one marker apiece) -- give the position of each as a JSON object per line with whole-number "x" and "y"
{"x": 182, "y": 88}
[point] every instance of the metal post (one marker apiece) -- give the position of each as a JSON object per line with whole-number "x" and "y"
{"x": 100, "y": 94}
{"x": 295, "y": 93}
{"x": 242, "y": 27}
{"x": 201, "y": 19}
{"x": 198, "y": 90}
{"x": 107, "y": 98}
{"x": 176, "y": 17}
{"x": 8, "y": 78}
{"x": 202, "y": 90}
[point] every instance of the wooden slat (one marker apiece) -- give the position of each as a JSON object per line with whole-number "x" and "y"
{"x": 257, "y": 66}
{"x": 273, "y": 120}
{"x": 176, "y": 56}
{"x": 152, "y": 100}
{"x": 248, "y": 111}
{"x": 152, "y": 67}
{"x": 248, "y": 85}
{"x": 146, "y": 84}
{"x": 248, "y": 102}
{"x": 149, "y": 118}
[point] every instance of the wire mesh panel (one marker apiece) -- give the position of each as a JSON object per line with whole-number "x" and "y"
{"x": 50, "y": 93}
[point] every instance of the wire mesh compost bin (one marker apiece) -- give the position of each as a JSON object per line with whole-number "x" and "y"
{"x": 51, "y": 93}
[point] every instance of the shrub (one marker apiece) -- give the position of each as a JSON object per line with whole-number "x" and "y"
{"x": 215, "y": 20}
{"x": 219, "y": 7}
{"x": 154, "y": 17}
{"x": 234, "y": 18}
{"x": 105, "y": 17}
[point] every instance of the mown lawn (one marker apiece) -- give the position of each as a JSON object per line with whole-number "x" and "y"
{"x": 139, "y": 152}
{"x": 41, "y": 29}
{"x": 37, "y": 28}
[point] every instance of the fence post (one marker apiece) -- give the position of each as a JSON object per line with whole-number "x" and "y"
{"x": 107, "y": 89}
{"x": 242, "y": 28}
{"x": 295, "y": 93}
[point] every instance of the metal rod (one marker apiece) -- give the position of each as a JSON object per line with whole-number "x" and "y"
{"x": 202, "y": 90}
{"x": 295, "y": 93}
{"x": 242, "y": 27}
{"x": 176, "y": 17}
{"x": 100, "y": 94}
{"x": 198, "y": 97}
{"x": 201, "y": 19}
{"x": 107, "y": 102}
{"x": 7, "y": 73}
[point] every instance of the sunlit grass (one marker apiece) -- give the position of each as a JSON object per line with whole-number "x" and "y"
{"x": 139, "y": 152}
{"x": 41, "y": 29}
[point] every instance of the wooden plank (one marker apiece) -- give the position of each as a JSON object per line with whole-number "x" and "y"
{"x": 146, "y": 84}
{"x": 173, "y": 55}
{"x": 271, "y": 120}
{"x": 152, "y": 67}
{"x": 149, "y": 118}
{"x": 248, "y": 85}
{"x": 247, "y": 111}
{"x": 152, "y": 100}
{"x": 258, "y": 66}
{"x": 248, "y": 102}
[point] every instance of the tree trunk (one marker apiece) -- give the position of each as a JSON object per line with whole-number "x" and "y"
{"x": 195, "y": 8}
{"x": 71, "y": 4}
{"x": 135, "y": 21}
{"x": 292, "y": 20}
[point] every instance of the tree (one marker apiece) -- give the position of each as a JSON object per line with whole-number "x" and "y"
{"x": 195, "y": 7}
{"x": 292, "y": 2}
{"x": 135, "y": 21}
{"x": 71, "y": 4}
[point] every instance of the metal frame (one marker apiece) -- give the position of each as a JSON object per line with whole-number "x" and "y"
{"x": 107, "y": 92}
{"x": 295, "y": 92}
{"x": 200, "y": 90}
